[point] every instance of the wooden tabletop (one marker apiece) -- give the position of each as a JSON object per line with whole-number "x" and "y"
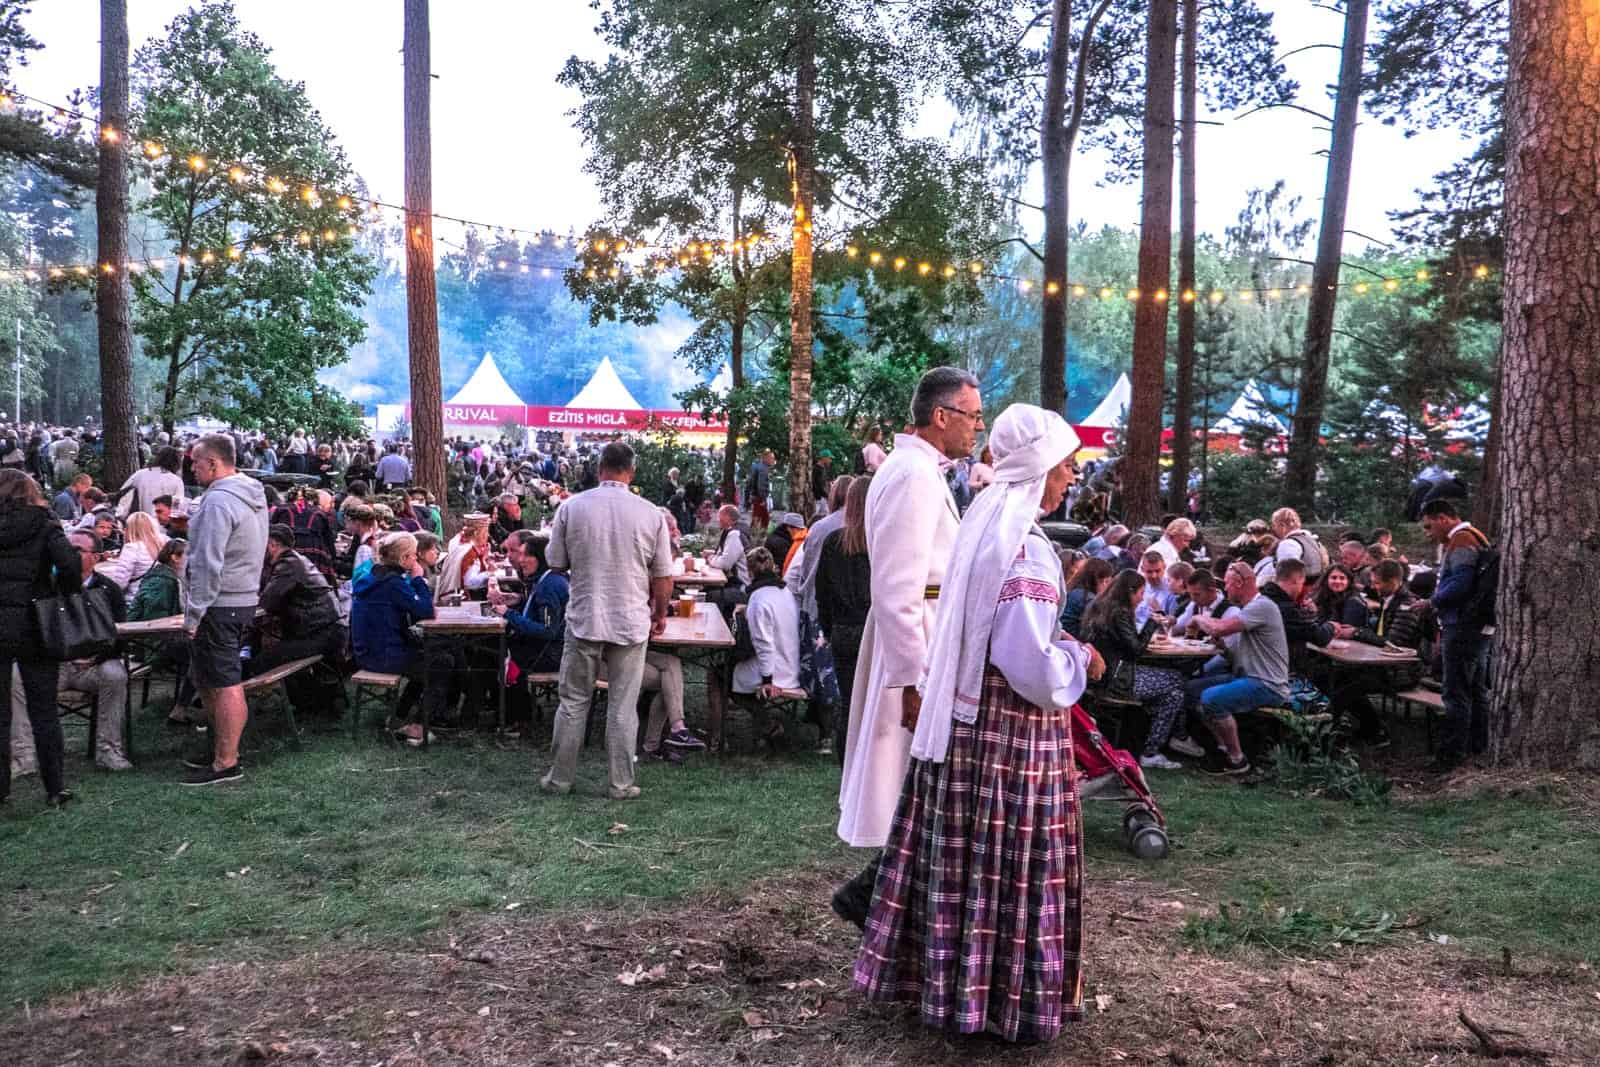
{"x": 707, "y": 629}
{"x": 462, "y": 619}
{"x": 1354, "y": 652}
{"x": 170, "y": 626}
{"x": 1180, "y": 648}
{"x": 704, "y": 575}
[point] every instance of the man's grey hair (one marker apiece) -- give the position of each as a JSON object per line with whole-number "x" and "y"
{"x": 219, "y": 446}
{"x": 617, "y": 457}
{"x": 938, "y": 387}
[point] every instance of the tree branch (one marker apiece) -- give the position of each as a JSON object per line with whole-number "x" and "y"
{"x": 1297, "y": 107}
{"x": 1307, "y": 48}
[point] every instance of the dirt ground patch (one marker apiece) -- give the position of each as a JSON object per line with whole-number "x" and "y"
{"x": 762, "y": 977}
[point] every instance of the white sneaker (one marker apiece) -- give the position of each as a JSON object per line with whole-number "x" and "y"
{"x": 1160, "y": 763}
{"x": 1185, "y": 746}
{"x": 111, "y": 759}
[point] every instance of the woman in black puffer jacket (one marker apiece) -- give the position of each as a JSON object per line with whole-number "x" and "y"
{"x": 35, "y": 561}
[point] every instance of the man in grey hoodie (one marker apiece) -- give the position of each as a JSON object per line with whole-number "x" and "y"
{"x": 227, "y": 544}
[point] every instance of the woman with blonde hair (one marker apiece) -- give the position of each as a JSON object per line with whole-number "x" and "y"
{"x": 139, "y": 552}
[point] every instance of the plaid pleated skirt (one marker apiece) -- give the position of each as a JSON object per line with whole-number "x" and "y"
{"x": 977, "y": 912}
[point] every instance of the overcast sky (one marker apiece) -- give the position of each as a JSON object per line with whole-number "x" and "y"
{"x": 505, "y": 151}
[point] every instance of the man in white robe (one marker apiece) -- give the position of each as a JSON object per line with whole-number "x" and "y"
{"x": 911, "y": 528}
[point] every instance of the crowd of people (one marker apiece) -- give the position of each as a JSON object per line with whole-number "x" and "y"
{"x": 938, "y": 634}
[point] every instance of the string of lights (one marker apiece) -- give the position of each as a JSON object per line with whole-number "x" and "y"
{"x": 620, "y": 254}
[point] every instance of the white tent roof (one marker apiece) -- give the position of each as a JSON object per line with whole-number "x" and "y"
{"x": 1249, "y": 410}
{"x": 487, "y": 387}
{"x": 724, "y": 379}
{"x": 604, "y": 390}
{"x": 1114, "y": 407}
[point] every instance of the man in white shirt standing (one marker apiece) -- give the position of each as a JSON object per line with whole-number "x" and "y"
{"x": 614, "y": 544}
{"x": 911, "y": 529}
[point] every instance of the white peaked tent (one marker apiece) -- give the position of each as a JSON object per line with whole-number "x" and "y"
{"x": 1114, "y": 408}
{"x": 605, "y": 390}
{"x": 724, "y": 379}
{"x": 486, "y": 388}
{"x": 1249, "y": 410}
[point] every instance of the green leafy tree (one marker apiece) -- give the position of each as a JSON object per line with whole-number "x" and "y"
{"x": 243, "y": 336}
{"x": 690, "y": 124}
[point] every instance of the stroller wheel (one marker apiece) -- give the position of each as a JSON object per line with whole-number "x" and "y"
{"x": 1150, "y": 843}
{"x": 1136, "y": 817}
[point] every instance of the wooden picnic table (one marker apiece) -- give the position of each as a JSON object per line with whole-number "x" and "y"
{"x": 706, "y": 629}
{"x": 1179, "y": 648}
{"x": 169, "y": 626}
{"x": 704, "y": 575}
{"x": 466, "y": 620}
{"x": 1357, "y": 654}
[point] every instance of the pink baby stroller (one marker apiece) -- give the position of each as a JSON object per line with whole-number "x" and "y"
{"x": 1114, "y": 774}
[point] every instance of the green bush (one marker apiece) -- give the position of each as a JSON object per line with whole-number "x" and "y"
{"x": 1241, "y": 486}
{"x": 1362, "y": 485}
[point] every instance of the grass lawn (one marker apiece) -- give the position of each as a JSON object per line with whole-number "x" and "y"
{"x": 363, "y": 844}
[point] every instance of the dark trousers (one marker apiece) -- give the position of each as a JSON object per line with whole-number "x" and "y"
{"x": 844, "y": 666}
{"x": 1465, "y": 652}
{"x": 305, "y": 691}
{"x": 175, "y": 654}
{"x": 39, "y": 687}
{"x": 440, "y": 663}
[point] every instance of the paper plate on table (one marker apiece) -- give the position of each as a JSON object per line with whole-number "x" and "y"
{"x": 1397, "y": 653}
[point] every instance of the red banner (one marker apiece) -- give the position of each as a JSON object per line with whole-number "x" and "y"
{"x": 578, "y": 420}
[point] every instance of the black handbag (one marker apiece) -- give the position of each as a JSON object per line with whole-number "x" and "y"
{"x": 76, "y": 626}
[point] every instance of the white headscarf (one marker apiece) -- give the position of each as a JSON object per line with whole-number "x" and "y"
{"x": 1027, "y": 442}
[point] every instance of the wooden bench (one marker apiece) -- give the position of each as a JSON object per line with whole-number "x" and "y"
{"x": 1423, "y": 698}
{"x": 1129, "y": 722}
{"x": 1431, "y": 703}
{"x": 274, "y": 678}
{"x": 369, "y": 685}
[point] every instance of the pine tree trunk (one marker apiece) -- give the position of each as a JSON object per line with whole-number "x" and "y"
{"x": 120, "y": 434}
{"x": 422, "y": 307}
{"x": 1140, "y": 467}
{"x": 805, "y": 164}
{"x": 1547, "y": 659}
{"x": 1300, "y": 483}
{"x": 1183, "y": 401}
{"x": 737, "y": 321}
{"x": 730, "y": 451}
{"x": 1486, "y": 510}
{"x": 1054, "y": 153}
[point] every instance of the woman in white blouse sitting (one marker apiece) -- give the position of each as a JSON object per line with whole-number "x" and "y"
{"x": 138, "y": 555}
{"x": 772, "y": 616}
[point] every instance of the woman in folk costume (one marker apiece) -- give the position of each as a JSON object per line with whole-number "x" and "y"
{"x": 466, "y": 568}
{"x": 977, "y": 912}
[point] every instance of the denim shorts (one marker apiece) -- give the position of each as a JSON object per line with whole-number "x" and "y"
{"x": 1238, "y": 697}
{"x": 214, "y": 649}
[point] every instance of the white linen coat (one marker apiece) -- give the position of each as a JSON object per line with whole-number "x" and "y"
{"x": 911, "y": 530}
